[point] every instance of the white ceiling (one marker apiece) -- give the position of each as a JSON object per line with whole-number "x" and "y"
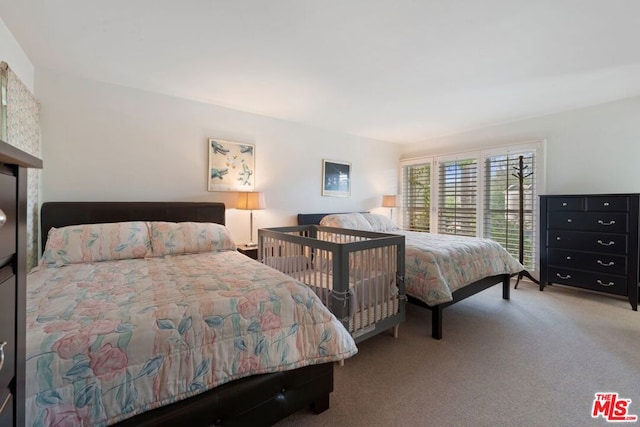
{"x": 394, "y": 70}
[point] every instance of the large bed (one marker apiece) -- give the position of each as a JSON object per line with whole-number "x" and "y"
{"x": 179, "y": 329}
{"x": 440, "y": 270}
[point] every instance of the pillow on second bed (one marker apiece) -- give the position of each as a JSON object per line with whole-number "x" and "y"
{"x": 353, "y": 221}
{"x": 96, "y": 242}
{"x": 168, "y": 238}
{"x": 360, "y": 221}
{"x": 380, "y": 223}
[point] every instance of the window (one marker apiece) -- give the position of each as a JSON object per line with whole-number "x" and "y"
{"x": 457, "y": 190}
{"x": 476, "y": 194}
{"x": 502, "y": 203}
{"x": 416, "y": 196}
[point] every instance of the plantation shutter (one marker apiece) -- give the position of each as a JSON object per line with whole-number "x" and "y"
{"x": 502, "y": 204}
{"x": 457, "y": 193}
{"x": 416, "y": 196}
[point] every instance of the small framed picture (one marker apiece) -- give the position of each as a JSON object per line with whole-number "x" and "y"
{"x": 336, "y": 178}
{"x": 231, "y": 166}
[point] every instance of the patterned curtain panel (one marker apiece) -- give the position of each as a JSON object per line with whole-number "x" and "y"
{"x": 23, "y": 132}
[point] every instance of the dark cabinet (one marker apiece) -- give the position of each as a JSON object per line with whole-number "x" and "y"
{"x": 591, "y": 242}
{"x": 250, "y": 251}
{"x": 13, "y": 252}
{"x": 7, "y": 334}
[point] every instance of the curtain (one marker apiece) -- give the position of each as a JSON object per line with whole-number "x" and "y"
{"x": 23, "y": 132}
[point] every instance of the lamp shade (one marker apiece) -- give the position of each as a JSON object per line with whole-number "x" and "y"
{"x": 251, "y": 200}
{"x": 390, "y": 201}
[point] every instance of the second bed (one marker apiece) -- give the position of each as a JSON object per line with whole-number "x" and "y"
{"x": 440, "y": 270}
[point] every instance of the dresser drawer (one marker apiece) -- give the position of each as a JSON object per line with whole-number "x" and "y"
{"x": 7, "y": 329}
{"x": 608, "y": 203}
{"x": 8, "y": 206}
{"x": 603, "y": 263}
{"x": 590, "y": 221}
{"x": 609, "y": 283}
{"x": 590, "y": 242}
{"x": 566, "y": 203}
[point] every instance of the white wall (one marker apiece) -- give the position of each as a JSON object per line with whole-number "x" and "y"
{"x": 589, "y": 150}
{"x": 106, "y": 143}
{"x": 12, "y": 54}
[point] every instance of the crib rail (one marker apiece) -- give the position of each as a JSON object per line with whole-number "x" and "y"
{"x": 359, "y": 275}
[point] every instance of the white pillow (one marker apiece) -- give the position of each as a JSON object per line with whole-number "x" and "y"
{"x": 380, "y": 223}
{"x": 352, "y": 221}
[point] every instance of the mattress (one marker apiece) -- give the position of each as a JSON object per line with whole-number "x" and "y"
{"x": 436, "y": 265}
{"x": 108, "y": 340}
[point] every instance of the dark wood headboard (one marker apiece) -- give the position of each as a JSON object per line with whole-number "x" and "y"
{"x": 61, "y": 214}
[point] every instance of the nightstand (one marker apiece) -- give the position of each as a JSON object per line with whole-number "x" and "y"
{"x": 250, "y": 251}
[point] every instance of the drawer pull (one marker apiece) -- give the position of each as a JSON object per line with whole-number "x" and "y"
{"x": 609, "y": 264}
{"x": 605, "y": 204}
{"x": 604, "y": 284}
{"x": 4, "y": 404}
{"x": 2, "y": 344}
{"x": 568, "y": 276}
{"x": 611, "y": 242}
{"x": 558, "y": 238}
{"x": 601, "y": 222}
{"x": 564, "y": 203}
{"x": 568, "y": 258}
{"x": 3, "y": 218}
{"x": 569, "y": 220}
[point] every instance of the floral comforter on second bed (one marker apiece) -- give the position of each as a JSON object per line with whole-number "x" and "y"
{"x": 437, "y": 265}
{"x": 108, "y": 340}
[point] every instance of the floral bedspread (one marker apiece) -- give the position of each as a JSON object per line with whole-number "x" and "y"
{"x": 436, "y": 265}
{"x": 108, "y": 340}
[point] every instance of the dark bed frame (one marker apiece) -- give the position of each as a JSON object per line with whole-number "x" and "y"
{"x": 257, "y": 400}
{"x": 458, "y": 295}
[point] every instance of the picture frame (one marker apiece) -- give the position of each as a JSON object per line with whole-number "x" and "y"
{"x": 231, "y": 166}
{"x": 336, "y": 178}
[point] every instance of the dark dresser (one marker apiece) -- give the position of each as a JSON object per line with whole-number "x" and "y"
{"x": 13, "y": 271}
{"x": 591, "y": 242}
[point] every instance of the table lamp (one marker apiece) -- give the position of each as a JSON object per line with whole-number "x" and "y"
{"x": 390, "y": 201}
{"x": 251, "y": 200}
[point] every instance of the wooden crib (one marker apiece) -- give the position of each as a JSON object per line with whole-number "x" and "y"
{"x": 359, "y": 275}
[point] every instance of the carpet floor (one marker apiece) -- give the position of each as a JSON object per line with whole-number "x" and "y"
{"x": 535, "y": 360}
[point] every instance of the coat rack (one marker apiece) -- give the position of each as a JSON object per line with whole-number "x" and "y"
{"x": 522, "y": 173}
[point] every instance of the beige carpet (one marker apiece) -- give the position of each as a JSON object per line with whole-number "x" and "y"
{"x": 536, "y": 360}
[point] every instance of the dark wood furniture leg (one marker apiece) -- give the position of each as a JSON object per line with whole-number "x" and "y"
{"x": 506, "y": 288}
{"x": 459, "y": 295}
{"x": 525, "y": 273}
{"x": 436, "y": 322}
{"x": 320, "y": 405}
